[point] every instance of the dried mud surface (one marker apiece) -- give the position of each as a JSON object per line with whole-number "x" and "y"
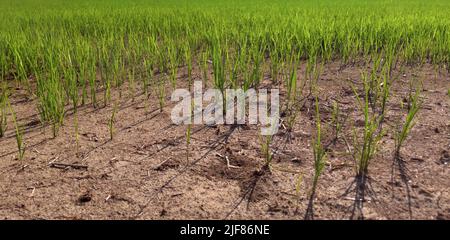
{"x": 143, "y": 173}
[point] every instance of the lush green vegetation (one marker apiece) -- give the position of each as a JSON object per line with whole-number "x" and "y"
{"x": 57, "y": 49}
{"x": 66, "y": 52}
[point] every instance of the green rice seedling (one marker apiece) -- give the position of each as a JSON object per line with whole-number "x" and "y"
{"x": 204, "y": 64}
{"x": 408, "y": 99}
{"x": 161, "y": 92}
{"x": 188, "y": 141}
{"x": 56, "y": 104}
{"x": 235, "y": 69}
{"x": 293, "y": 102}
{"x": 91, "y": 75}
{"x": 313, "y": 71}
{"x": 81, "y": 66}
{"x": 266, "y": 151}
{"x": 318, "y": 149}
{"x": 386, "y": 87}
{"x": 132, "y": 70}
{"x": 112, "y": 120}
{"x": 188, "y": 134}
{"x": 83, "y": 80}
{"x": 365, "y": 145}
{"x": 105, "y": 69}
{"x": 117, "y": 68}
{"x": 131, "y": 82}
{"x": 336, "y": 120}
{"x": 76, "y": 128}
{"x": 173, "y": 62}
{"x": 148, "y": 65}
{"x": 319, "y": 160}
{"x": 371, "y": 135}
{"x": 71, "y": 87}
{"x": 21, "y": 73}
{"x": 3, "y": 109}
{"x": 404, "y": 130}
{"x": 319, "y": 155}
{"x": 291, "y": 118}
{"x": 147, "y": 79}
{"x": 4, "y": 63}
{"x": 291, "y": 86}
{"x": 150, "y": 62}
{"x": 257, "y": 63}
{"x": 275, "y": 62}
{"x": 107, "y": 86}
{"x": 374, "y": 81}
{"x": 19, "y": 133}
{"x": 400, "y": 135}
{"x": 380, "y": 84}
{"x": 219, "y": 68}
{"x": 247, "y": 74}
{"x": 188, "y": 59}
{"x": 71, "y": 83}
{"x": 51, "y": 95}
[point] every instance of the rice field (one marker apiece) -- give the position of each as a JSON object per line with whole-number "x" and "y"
{"x": 85, "y": 101}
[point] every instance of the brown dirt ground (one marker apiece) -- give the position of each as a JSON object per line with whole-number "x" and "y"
{"x": 143, "y": 172}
